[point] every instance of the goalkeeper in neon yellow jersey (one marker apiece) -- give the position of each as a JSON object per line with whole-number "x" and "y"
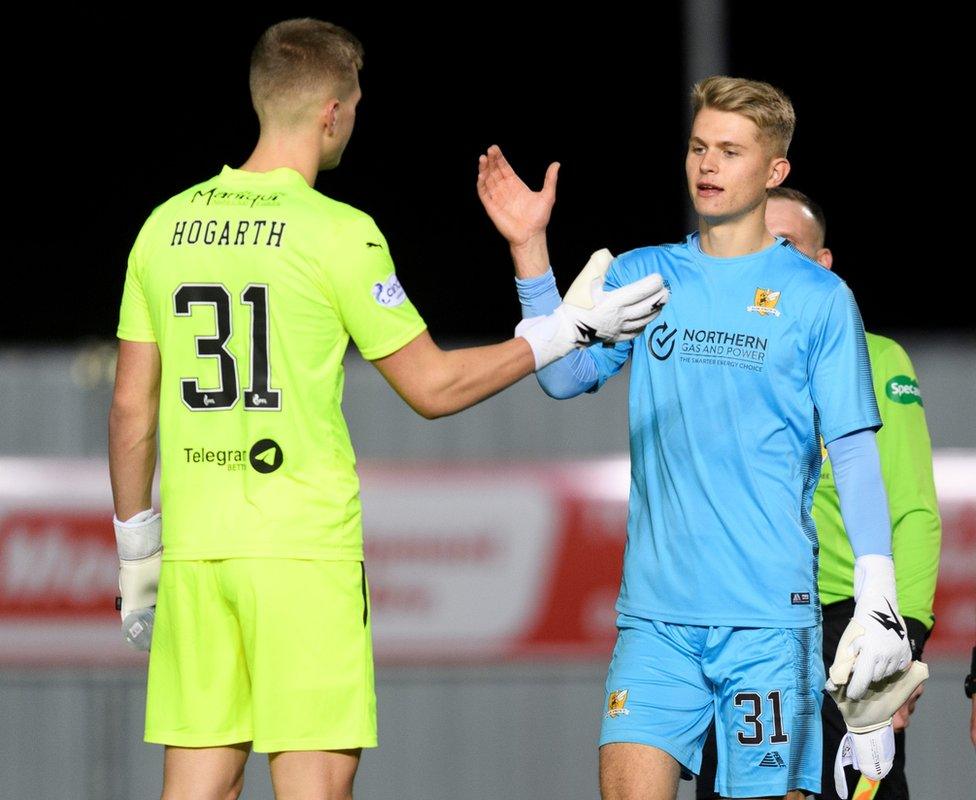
{"x": 241, "y": 295}
{"x": 906, "y": 465}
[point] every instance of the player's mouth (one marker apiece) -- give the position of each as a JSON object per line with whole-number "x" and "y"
{"x": 709, "y": 190}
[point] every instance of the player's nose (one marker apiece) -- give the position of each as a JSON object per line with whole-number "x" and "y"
{"x": 708, "y": 162}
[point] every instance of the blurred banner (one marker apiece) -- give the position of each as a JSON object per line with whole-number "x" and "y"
{"x": 465, "y": 562}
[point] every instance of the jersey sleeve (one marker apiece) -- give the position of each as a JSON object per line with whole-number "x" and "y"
{"x": 839, "y": 370}
{"x": 610, "y": 360}
{"x": 906, "y": 464}
{"x": 135, "y": 321}
{"x": 368, "y": 296}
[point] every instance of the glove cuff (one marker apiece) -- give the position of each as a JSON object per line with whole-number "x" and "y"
{"x": 547, "y": 337}
{"x": 140, "y": 536}
{"x": 869, "y": 728}
{"x": 875, "y": 574}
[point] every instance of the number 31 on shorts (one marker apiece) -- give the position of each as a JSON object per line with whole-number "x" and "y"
{"x": 755, "y": 713}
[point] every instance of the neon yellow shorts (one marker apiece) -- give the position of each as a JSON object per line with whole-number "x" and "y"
{"x": 271, "y": 651}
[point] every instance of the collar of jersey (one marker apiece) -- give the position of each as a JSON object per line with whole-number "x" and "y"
{"x": 273, "y": 177}
{"x": 694, "y": 246}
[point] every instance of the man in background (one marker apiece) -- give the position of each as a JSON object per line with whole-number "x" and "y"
{"x": 906, "y": 465}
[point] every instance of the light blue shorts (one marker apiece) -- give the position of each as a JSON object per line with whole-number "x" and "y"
{"x": 763, "y": 686}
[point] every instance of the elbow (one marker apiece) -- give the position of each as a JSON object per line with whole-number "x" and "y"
{"x": 431, "y": 407}
{"x": 559, "y": 390}
{"x": 127, "y": 419}
{"x": 430, "y": 412}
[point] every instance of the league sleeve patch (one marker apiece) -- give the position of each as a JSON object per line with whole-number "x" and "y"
{"x": 903, "y": 389}
{"x": 389, "y": 293}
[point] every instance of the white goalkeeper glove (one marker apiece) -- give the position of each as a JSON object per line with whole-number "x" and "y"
{"x": 875, "y": 641}
{"x": 589, "y": 314}
{"x": 139, "y": 542}
{"x": 869, "y": 744}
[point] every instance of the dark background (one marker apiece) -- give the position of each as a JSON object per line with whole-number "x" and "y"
{"x": 138, "y": 110}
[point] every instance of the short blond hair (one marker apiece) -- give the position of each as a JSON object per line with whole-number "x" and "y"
{"x": 295, "y": 59}
{"x": 762, "y": 103}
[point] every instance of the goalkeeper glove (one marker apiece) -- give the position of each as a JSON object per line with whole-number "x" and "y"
{"x": 591, "y": 314}
{"x": 139, "y": 542}
{"x": 869, "y": 744}
{"x": 875, "y": 641}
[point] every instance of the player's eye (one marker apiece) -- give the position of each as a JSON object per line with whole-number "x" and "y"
{"x": 731, "y": 153}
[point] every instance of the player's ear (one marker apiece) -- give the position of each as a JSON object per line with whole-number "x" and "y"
{"x": 328, "y": 116}
{"x": 825, "y": 258}
{"x": 779, "y": 168}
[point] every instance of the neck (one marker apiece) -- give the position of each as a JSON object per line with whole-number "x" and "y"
{"x": 730, "y": 238}
{"x": 275, "y": 149}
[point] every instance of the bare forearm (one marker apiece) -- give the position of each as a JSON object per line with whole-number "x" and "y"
{"x": 436, "y": 382}
{"x": 131, "y": 459}
{"x": 472, "y": 374}
{"x": 532, "y": 257}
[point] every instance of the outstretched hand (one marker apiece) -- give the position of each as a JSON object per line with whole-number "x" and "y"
{"x": 517, "y": 211}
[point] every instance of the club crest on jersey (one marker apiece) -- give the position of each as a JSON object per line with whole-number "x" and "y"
{"x": 616, "y": 703}
{"x": 765, "y": 302}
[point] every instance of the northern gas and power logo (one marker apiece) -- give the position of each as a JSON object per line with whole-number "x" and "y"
{"x": 710, "y": 347}
{"x": 661, "y": 341}
{"x": 265, "y": 456}
{"x": 903, "y": 389}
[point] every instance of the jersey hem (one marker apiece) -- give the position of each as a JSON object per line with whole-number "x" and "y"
{"x": 391, "y": 347}
{"x": 303, "y": 555}
{"x": 718, "y": 621}
{"x": 829, "y": 598}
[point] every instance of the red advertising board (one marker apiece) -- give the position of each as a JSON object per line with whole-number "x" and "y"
{"x": 465, "y": 562}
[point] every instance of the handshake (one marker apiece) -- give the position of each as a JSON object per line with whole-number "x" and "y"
{"x": 589, "y": 314}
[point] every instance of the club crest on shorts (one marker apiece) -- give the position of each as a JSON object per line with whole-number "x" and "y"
{"x": 765, "y": 302}
{"x": 616, "y": 703}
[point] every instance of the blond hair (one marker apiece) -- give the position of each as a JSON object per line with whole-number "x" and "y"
{"x": 763, "y": 104}
{"x": 296, "y": 60}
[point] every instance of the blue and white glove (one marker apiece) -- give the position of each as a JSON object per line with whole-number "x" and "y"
{"x": 139, "y": 542}
{"x": 869, "y": 744}
{"x": 875, "y": 640}
{"x": 589, "y": 314}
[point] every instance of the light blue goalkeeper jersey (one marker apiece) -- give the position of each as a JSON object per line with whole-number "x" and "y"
{"x": 732, "y": 386}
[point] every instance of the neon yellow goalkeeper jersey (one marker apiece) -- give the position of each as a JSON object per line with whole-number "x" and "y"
{"x": 251, "y": 285}
{"x": 906, "y": 466}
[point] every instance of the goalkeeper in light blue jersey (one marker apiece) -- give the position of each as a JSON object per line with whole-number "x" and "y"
{"x": 758, "y": 353}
